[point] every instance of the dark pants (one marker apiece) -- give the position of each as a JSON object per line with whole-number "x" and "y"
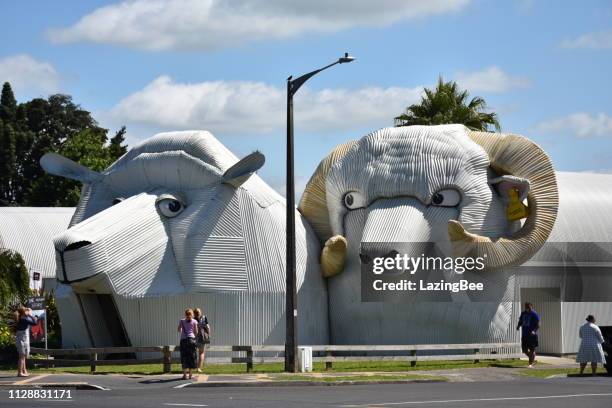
{"x": 189, "y": 357}
{"x": 529, "y": 343}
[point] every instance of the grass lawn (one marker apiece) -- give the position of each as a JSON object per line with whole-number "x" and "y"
{"x": 358, "y": 366}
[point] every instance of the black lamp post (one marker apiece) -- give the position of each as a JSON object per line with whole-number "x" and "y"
{"x": 291, "y": 301}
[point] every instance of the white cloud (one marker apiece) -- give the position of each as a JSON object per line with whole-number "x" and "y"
{"x": 594, "y": 40}
{"x": 243, "y": 107}
{"x": 28, "y": 75}
{"x": 210, "y": 24}
{"x": 491, "y": 79}
{"x": 579, "y": 124}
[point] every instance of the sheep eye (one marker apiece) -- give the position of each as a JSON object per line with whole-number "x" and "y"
{"x": 353, "y": 200}
{"x": 117, "y": 200}
{"x": 446, "y": 198}
{"x": 169, "y": 206}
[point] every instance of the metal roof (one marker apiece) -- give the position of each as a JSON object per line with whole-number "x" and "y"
{"x": 30, "y": 231}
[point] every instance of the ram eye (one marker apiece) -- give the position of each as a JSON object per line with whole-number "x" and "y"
{"x": 169, "y": 206}
{"x": 353, "y": 200}
{"x": 446, "y": 198}
{"x": 117, "y": 200}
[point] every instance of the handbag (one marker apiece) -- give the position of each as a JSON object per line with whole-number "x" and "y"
{"x": 204, "y": 332}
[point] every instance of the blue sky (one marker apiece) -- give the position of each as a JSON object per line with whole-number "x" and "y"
{"x": 159, "y": 65}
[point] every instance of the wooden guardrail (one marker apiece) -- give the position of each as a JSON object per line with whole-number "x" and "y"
{"x": 327, "y": 354}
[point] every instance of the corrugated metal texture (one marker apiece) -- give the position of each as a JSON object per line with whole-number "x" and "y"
{"x": 585, "y": 200}
{"x": 74, "y": 331}
{"x": 219, "y": 265}
{"x": 224, "y": 248}
{"x": 356, "y": 322}
{"x": 546, "y": 304}
{"x": 573, "y": 316}
{"x": 30, "y": 231}
{"x": 236, "y": 318}
{"x": 96, "y": 321}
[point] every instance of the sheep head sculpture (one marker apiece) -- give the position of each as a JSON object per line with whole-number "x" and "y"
{"x": 175, "y": 214}
{"x": 442, "y": 184}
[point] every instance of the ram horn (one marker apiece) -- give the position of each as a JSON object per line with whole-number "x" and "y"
{"x": 517, "y": 156}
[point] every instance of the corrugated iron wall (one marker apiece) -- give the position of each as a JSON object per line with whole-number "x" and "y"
{"x": 546, "y": 304}
{"x": 236, "y": 317}
{"x": 573, "y": 315}
{"x": 30, "y": 231}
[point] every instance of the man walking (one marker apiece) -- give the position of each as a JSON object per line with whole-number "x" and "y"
{"x": 529, "y": 322}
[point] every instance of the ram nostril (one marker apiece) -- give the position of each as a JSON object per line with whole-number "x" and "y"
{"x": 365, "y": 259}
{"x": 77, "y": 245}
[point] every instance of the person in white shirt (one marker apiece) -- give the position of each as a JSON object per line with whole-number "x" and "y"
{"x": 590, "y": 346}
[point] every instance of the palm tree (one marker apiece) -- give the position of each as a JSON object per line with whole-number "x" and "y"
{"x": 448, "y": 104}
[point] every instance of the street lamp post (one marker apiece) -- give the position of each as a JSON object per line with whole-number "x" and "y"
{"x": 291, "y": 291}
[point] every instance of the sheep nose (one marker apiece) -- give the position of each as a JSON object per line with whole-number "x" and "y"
{"x": 76, "y": 245}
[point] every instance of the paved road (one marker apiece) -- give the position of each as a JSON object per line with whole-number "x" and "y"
{"x": 529, "y": 392}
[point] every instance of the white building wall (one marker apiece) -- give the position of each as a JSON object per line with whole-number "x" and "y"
{"x": 574, "y": 315}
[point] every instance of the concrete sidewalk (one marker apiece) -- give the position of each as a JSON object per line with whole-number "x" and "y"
{"x": 115, "y": 381}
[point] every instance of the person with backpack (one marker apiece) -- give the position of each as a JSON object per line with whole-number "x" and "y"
{"x": 23, "y": 321}
{"x": 188, "y": 328}
{"x": 203, "y": 337}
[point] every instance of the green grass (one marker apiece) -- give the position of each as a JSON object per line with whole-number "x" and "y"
{"x": 392, "y": 377}
{"x": 544, "y": 373}
{"x": 358, "y": 366}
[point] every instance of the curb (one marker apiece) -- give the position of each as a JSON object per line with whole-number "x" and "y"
{"x": 300, "y": 383}
{"x": 76, "y": 386}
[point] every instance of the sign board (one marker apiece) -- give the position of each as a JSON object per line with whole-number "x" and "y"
{"x": 36, "y": 303}
{"x": 35, "y": 279}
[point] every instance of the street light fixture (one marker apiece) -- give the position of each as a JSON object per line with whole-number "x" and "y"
{"x": 291, "y": 290}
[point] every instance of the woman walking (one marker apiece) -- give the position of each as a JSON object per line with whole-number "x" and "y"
{"x": 590, "y": 346}
{"x": 203, "y": 337}
{"x": 188, "y": 327}
{"x": 23, "y": 319}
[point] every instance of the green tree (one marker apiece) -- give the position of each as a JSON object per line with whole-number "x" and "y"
{"x": 449, "y": 104}
{"x": 116, "y": 146}
{"x": 8, "y": 103}
{"x": 7, "y": 162}
{"x": 56, "y": 124}
{"x": 88, "y": 148}
{"x": 14, "y": 279}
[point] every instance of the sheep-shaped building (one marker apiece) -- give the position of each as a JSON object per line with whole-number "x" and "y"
{"x": 180, "y": 222}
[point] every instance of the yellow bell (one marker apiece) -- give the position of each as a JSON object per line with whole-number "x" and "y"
{"x": 516, "y": 210}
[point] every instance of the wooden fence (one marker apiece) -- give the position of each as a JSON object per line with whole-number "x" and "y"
{"x": 250, "y": 355}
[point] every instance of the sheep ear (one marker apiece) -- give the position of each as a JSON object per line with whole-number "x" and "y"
{"x": 58, "y": 165}
{"x": 508, "y": 182}
{"x": 245, "y": 168}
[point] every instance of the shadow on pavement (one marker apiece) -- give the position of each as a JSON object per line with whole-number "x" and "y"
{"x": 590, "y": 375}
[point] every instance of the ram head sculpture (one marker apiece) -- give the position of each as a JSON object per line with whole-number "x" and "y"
{"x": 422, "y": 184}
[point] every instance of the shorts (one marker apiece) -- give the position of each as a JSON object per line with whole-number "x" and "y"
{"x": 202, "y": 347}
{"x": 529, "y": 343}
{"x": 22, "y": 342}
